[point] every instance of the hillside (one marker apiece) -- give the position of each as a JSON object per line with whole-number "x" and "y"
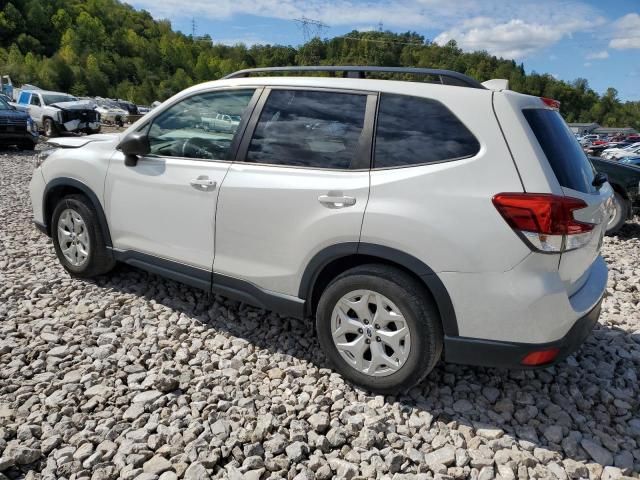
{"x": 107, "y": 48}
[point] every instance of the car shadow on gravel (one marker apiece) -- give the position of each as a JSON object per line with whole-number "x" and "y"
{"x": 630, "y": 230}
{"x": 589, "y": 397}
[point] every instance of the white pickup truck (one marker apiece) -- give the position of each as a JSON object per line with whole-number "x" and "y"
{"x": 56, "y": 112}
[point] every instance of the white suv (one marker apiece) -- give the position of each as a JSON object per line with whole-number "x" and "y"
{"x": 413, "y": 220}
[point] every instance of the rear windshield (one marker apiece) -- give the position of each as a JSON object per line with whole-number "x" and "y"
{"x": 566, "y": 157}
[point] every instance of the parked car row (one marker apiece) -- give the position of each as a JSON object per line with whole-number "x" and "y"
{"x": 625, "y": 181}
{"x": 56, "y": 112}
{"x": 16, "y": 126}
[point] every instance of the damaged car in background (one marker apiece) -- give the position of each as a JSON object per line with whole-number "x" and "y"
{"x": 55, "y": 112}
{"x": 110, "y": 111}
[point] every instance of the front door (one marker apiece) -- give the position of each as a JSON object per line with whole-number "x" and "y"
{"x": 35, "y": 109}
{"x": 301, "y": 184}
{"x": 165, "y": 205}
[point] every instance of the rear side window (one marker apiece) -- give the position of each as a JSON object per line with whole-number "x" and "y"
{"x": 414, "y": 131}
{"x": 309, "y": 129}
{"x": 568, "y": 161}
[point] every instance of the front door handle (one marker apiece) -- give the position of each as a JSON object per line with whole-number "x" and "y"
{"x": 203, "y": 183}
{"x": 336, "y": 200}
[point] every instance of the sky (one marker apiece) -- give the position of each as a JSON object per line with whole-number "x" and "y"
{"x": 593, "y": 39}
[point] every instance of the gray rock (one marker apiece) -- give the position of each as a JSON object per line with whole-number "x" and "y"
{"x": 337, "y": 437}
{"x": 156, "y": 465}
{"x": 17, "y": 454}
{"x": 463, "y": 406}
{"x": 343, "y": 469}
{"x": 196, "y": 471}
{"x": 297, "y": 451}
{"x": 149, "y": 396}
{"x": 319, "y": 421}
{"x": 598, "y": 453}
{"x": 443, "y": 456}
{"x": 553, "y": 433}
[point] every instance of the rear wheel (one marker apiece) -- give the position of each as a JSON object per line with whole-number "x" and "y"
{"x": 620, "y": 214}
{"x": 28, "y": 146}
{"x": 379, "y": 328}
{"x": 78, "y": 238}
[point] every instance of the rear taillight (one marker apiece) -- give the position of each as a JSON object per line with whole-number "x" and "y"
{"x": 544, "y": 221}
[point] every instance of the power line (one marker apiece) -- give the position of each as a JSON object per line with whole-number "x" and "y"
{"x": 311, "y": 28}
{"x": 374, "y": 40}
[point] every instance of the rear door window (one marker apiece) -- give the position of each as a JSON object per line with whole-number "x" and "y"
{"x": 310, "y": 129}
{"x": 564, "y": 153}
{"x": 415, "y": 131}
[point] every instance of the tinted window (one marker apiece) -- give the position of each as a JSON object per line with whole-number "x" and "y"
{"x": 308, "y": 129}
{"x": 566, "y": 157}
{"x": 193, "y": 127}
{"x": 4, "y": 105}
{"x": 413, "y": 130}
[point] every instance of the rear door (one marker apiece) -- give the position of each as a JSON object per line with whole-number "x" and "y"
{"x": 300, "y": 184}
{"x": 575, "y": 174}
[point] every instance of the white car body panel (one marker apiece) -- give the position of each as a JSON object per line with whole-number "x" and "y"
{"x": 270, "y": 222}
{"x": 152, "y": 208}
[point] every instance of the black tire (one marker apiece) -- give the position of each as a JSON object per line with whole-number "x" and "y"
{"x": 620, "y": 216}
{"x": 28, "y": 146}
{"x": 415, "y": 304}
{"x": 50, "y": 129}
{"x": 99, "y": 260}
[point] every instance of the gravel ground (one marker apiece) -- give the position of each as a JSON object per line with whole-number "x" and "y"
{"x": 137, "y": 377}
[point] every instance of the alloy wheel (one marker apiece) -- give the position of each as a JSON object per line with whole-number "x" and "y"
{"x": 370, "y": 333}
{"x": 73, "y": 237}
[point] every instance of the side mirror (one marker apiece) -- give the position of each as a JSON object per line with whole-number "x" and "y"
{"x": 133, "y": 146}
{"x": 599, "y": 179}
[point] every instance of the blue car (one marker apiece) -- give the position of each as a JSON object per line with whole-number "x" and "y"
{"x": 635, "y": 161}
{"x": 16, "y": 127}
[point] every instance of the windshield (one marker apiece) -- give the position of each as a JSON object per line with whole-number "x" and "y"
{"x": 51, "y": 98}
{"x": 4, "y": 105}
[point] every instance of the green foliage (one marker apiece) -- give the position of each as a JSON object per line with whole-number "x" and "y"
{"x": 107, "y": 48}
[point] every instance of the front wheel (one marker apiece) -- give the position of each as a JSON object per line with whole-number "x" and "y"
{"x": 50, "y": 129}
{"x": 619, "y": 216}
{"x": 78, "y": 238}
{"x": 379, "y": 328}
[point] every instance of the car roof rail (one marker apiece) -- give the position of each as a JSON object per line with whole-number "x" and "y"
{"x": 446, "y": 77}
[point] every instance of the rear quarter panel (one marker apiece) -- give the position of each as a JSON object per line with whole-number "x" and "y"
{"x": 443, "y": 213}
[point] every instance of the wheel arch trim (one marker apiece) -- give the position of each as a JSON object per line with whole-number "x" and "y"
{"x": 61, "y": 182}
{"x": 430, "y": 279}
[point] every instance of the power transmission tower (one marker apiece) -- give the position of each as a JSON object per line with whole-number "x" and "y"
{"x": 311, "y": 28}
{"x": 380, "y": 26}
{"x": 193, "y": 28}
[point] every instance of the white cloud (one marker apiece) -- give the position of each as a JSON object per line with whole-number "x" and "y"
{"x": 597, "y": 55}
{"x": 512, "y": 39}
{"x": 506, "y": 28}
{"x": 626, "y": 32}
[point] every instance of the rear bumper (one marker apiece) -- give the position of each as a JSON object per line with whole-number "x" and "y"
{"x": 489, "y": 353}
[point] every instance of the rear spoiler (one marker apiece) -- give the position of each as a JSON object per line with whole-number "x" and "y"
{"x": 497, "y": 84}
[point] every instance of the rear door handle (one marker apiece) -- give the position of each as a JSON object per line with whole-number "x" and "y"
{"x": 336, "y": 200}
{"x": 203, "y": 183}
